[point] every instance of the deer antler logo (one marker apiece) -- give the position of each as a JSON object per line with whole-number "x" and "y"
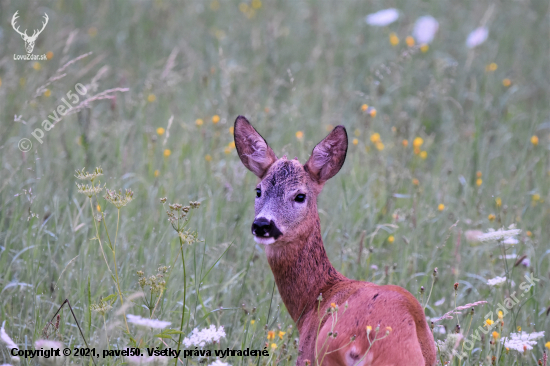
{"x": 29, "y": 41}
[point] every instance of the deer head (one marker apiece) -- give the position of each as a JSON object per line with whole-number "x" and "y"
{"x": 29, "y": 41}
{"x": 286, "y": 195}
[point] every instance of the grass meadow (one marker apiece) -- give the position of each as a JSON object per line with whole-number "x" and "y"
{"x": 446, "y": 142}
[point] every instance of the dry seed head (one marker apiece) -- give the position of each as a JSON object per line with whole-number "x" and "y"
{"x": 89, "y": 190}
{"x": 119, "y": 199}
{"x": 163, "y": 200}
{"x": 81, "y": 174}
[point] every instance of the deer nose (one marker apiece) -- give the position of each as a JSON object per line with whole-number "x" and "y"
{"x": 262, "y": 227}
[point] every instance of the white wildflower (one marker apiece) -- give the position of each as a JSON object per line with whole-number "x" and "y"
{"x": 147, "y": 360}
{"x": 425, "y": 29}
{"x": 510, "y": 241}
{"x": 496, "y": 281}
{"x": 49, "y": 361}
{"x": 440, "y": 302}
{"x": 521, "y": 341}
{"x": 219, "y": 363}
{"x": 151, "y": 323}
{"x": 477, "y": 37}
{"x": 8, "y": 341}
{"x": 200, "y": 338}
{"x": 383, "y": 17}
{"x": 498, "y": 235}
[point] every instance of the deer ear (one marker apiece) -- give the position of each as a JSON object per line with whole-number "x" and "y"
{"x": 252, "y": 148}
{"x": 328, "y": 156}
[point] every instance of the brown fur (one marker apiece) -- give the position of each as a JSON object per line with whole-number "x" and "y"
{"x": 303, "y": 271}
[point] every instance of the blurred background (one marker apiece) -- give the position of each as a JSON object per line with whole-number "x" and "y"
{"x": 445, "y": 103}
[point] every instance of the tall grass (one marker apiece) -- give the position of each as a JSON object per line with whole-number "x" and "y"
{"x": 296, "y": 66}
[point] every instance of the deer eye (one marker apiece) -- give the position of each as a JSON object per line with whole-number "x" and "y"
{"x": 300, "y": 198}
{"x": 258, "y": 192}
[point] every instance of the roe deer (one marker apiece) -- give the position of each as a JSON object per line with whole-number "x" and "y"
{"x": 287, "y": 223}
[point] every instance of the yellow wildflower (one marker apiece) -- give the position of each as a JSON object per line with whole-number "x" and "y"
{"x": 375, "y": 137}
{"x": 49, "y": 55}
{"x": 409, "y": 41}
{"x": 157, "y": 173}
{"x": 252, "y": 321}
{"x": 547, "y": 345}
{"x": 496, "y": 335}
{"x": 160, "y": 131}
{"x": 273, "y": 345}
{"x": 491, "y": 217}
{"x": 227, "y": 150}
{"x": 151, "y": 98}
{"x": 281, "y": 334}
{"x": 47, "y": 93}
{"x": 98, "y": 208}
{"x": 243, "y": 7}
{"x": 500, "y": 314}
{"x": 394, "y": 40}
{"x": 479, "y": 174}
{"x": 488, "y": 322}
{"x": 418, "y": 141}
{"x": 299, "y": 135}
{"x": 506, "y": 82}
{"x": 380, "y": 146}
{"x": 270, "y": 335}
{"x": 36, "y": 66}
{"x": 519, "y": 328}
{"x": 479, "y": 182}
{"x": 256, "y": 4}
{"x": 441, "y": 207}
{"x": 332, "y": 305}
{"x": 498, "y": 201}
{"x": 415, "y": 182}
{"x": 232, "y": 144}
{"x": 391, "y": 239}
{"x": 231, "y": 130}
{"x": 355, "y": 141}
{"x": 529, "y": 233}
{"x": 534, "y": 140}
{"x": 199, "y": 122}
{"x": 215, "y": 119}
{"x": 405, "y": 143}
{"x": 424, "y": 48}
{"x": 207, "y": 157}
{"x": 364, "y": 107}
{"x": 491, "y": 67}
{"x": 369, "y": 329}
{"x": 423, "y": 154}
{"x": 357, "y": 132}
{"x": 167, "y": 152}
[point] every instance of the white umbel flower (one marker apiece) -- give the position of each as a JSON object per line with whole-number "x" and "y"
{"x": 496, "y": 281}
{"x": 219, "y": 363}
{"x": 477, "y": 37}
{"x": 144, "y": 322}
{"x": 498, "y": 235}
{"x": 382, "y": 18}
{"x": 425, "y": 29}
{"x": 200, "y": 338}
{"x": 521, "y": 341}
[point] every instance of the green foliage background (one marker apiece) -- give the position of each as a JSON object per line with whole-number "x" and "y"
{"x": 288, "y": 66}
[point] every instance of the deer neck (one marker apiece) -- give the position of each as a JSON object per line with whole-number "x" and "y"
{"x": 302, "y": 271}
